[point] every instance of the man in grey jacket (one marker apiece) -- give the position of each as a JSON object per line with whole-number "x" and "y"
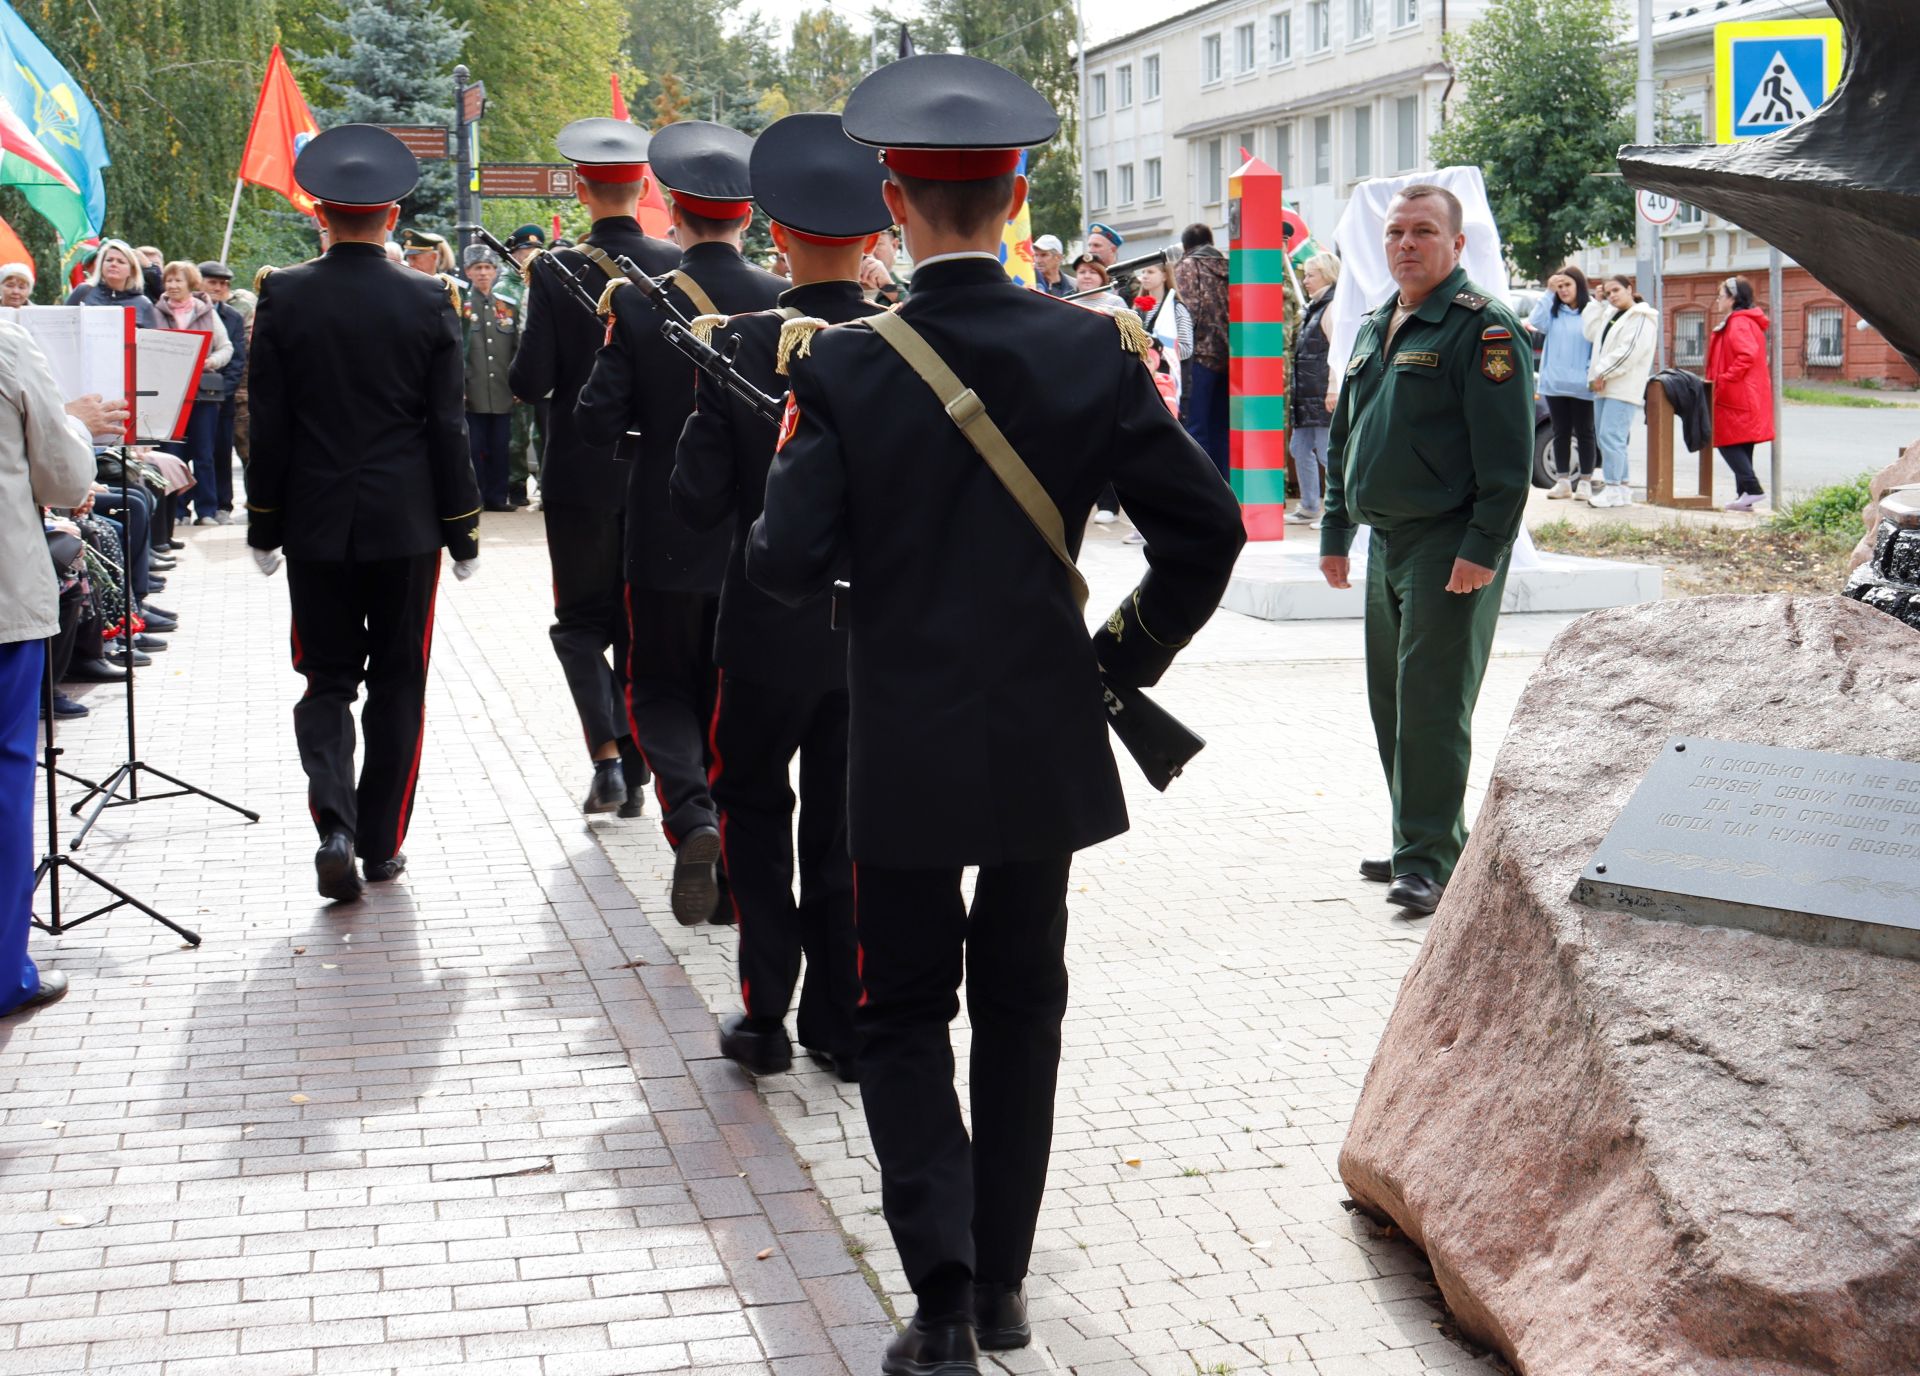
{"x": 46, "y": 459}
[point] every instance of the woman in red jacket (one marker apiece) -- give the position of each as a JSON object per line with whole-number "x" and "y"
{"x": 1742, "y": 388}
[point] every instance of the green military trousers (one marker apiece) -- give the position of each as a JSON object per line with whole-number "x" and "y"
{"x": 1426, "y": 656}
{"x": 521, "y": 457}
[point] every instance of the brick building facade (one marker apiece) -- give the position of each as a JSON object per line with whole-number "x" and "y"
{"x": 1825, "y": 339}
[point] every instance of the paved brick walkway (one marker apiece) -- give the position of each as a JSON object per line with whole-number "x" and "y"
{"x": 517, "y": 1150}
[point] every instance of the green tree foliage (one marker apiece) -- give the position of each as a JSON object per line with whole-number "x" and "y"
{"x": 1034, "y": 39}
{"x": 545, "y": 65}
{"x": 702, "y": 61}
{"x": 824, "y": 62}
{"x": 1547, "y": 90}
{"x": 393, "y": 65}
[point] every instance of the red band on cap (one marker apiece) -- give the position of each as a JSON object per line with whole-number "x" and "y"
{"x": 823, "y": 240}
{"x": 953, "y": 164}
{"x": 712, "y": 210}
{"x": 612, "y": 171}
{"x": 346, "y": 209}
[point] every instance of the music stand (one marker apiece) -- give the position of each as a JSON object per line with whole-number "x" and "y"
{"x": 53, "y": 861}
{"x": 108, "y": 790}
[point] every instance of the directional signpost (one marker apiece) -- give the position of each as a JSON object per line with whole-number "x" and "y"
{"x": 1768, "y": 75}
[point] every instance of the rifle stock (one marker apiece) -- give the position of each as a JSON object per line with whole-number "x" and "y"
{"x": 1158, "y": 741}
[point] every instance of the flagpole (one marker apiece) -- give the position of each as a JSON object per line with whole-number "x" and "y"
{"x": 233, "y": 212}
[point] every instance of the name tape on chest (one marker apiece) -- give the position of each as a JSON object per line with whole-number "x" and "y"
{"x": 1416, "y": 358}
{"x": 1499, "y": 361}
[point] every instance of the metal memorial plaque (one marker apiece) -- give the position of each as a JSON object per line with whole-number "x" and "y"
{"x": 1796, "y": 843}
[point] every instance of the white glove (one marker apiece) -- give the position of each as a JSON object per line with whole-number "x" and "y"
{"x": 266, "y": 560}
{"x": 463, "y": 569}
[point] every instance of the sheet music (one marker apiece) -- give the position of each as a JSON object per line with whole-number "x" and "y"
{"x": 168, "y": 366}
{"x": 85, "y": 346}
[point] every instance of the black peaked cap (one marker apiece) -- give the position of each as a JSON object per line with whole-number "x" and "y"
{"x": 602, "y": 142}
{"x": 356, "y": 165}
{"x": 948, "y": 100}
{"x": 809, "y": 176}
{"x": 704, "y": 159}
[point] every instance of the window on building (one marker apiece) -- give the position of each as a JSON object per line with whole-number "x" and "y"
{"x": 1319, "y": 25}
{"x": 1125, "y": 184}
{"x": 1123, "y": 87}
{"x": 1283, "y": 152}
{"x": 1406, "y": 133}
{"x": 1322, "y": 150}
{"x": 1280, "y": 37}
{"x": 1155, "y": 189}
{"x": 1150, "y": 77}
{"x": 1689, "y": 215}
{"x": 1362, "y": 130}
{"x": 1097, "y": 190}
{"x": 1243, "y": 49}
{"x": 1405, "y": 13}
{"x": 1097, "y": 94}
{"x": 1690, "y": 338}
{"x": 1213, "y": 173}
{"x": 1359, "y": 20}
{"x": 1826, "y": 337}
{"x": 1209, "y": 58}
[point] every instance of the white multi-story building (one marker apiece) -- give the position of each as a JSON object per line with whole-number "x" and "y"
{"x": 1329, "y": 92}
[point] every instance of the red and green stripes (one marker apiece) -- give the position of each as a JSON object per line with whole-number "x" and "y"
{"x": 1257, "y": 347}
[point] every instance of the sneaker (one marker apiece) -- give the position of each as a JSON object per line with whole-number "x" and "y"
{"x": 1300, "y": 516}
{"x": 1746, "y": 501}
{"x": 1595, "y": 486}
{"x": 205, "y": 521}
{"x": 1134, "y": 537}
{"x": 1105, "y": 518}
{"x": 223, "y": 518}
{"x": 1596, "y": 495}
{"x": 1560, "y": 491}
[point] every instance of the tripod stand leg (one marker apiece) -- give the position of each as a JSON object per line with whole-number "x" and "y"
{"x": 195, "y": 789}
{"x": 190, "y": 937}
{"x": 106, "y": 791}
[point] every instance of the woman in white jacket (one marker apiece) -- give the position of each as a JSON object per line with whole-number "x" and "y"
{"x": 1624, "y": 330}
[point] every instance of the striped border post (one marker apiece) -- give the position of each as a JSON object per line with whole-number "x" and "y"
{"x": 1257, "y": 348}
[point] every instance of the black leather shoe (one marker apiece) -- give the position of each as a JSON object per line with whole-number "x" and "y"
{"x": 94, "y": 671}
{"x": 160, "y": 563}
{"x": 696, "y": 886}
{"x": 385, "y": 871}
{"x": 65, "y": 707}
{"x": 333, "y": 864}
{"x": 1000, "y": 1317}
{"x": 635, "y": 805}
{"x": 1379, "y": 871}
{"x": 152, "y": 644}
{"x": 937, "y": 1349}
{"x": 1416, "y": 893}
{"x": 608, "y": 790}
{"x": 53, "y": 986}
{"x": 176, "y": 544}
{"x": 761, "y": 1051}
{"x": 155, "y": 583}
{"x": 158, "y": 623}
{"x": 140, "y": 658}
{"x": 148, "y": 609}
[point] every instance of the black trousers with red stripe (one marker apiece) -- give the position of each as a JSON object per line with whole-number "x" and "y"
{"x": 670, "y": 687}
{"x": 368, "y": 621}
{"x": 757, "y": 731}
{"x": 961, "y": 1209}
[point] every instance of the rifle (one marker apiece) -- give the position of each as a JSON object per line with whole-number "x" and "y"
{"x": 1158, "y": 741}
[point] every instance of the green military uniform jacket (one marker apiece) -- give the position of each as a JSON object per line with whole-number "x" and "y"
{"x": 1437, "y": 424}
{"x": 492, "y": 326}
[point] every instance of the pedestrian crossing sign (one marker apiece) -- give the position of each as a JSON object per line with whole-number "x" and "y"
{"x": 1771, "y": 74}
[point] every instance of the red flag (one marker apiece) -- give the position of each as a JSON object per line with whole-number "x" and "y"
{"x": 619, "y": 103}
{"x": 12, "y": 250}
{"x": 556, "y": 227}
{"x": 282, "y": 126}
{"x": 652, "y": 212}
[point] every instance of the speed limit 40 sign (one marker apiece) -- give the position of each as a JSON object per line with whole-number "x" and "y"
{"x": 1656, "y": 207}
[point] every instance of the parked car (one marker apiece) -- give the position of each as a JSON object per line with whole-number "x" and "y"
{"x": 1522, "y": 300}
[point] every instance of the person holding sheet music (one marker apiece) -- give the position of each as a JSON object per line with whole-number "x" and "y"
{"x": 360, "y": 474}
{"x": 181, "y": 307}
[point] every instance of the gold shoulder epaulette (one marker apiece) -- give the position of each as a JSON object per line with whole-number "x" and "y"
{"x": 796, "y": 341}
{"x": 703, "y": 326}
{"x": 1133, "y": 334}
{"x": 606, "y": 297}
{"x": 453, "y": 291}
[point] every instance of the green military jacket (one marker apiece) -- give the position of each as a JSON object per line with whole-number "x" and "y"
{"x": 1437, "y": 424}
{"x": 492, "y": 326}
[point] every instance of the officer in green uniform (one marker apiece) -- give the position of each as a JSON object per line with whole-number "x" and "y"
{"x": 1432, "y": 447}
{"x": 491, "y": 324}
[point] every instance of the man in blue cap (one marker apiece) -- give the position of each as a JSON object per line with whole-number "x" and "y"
{"x": 783, "y": 685}
{"x": 1104, "y": 242}
{"x": 918, "y": 461}
{"x": 641, "y": 385}
{"x": 360, "y": 474}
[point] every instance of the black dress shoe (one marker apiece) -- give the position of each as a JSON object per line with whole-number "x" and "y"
{"x": 1000, "y": 1316}
{"x": 608, "y": 790}
{"x": 176, "y": 544}
{"x": 1379, "y": 871}
{"x": 333, "y": 864}
{"x": 53, "y": 986}
{"x": 385, "y": 871}
{"x": 94, "y": 671}
{"x": 696, "y": 886}
{"x": 1415, "y": 892}
{"x": 148, "y": 609}
{"x": 65, "y": 707}
{"x": 635, "y": 805}
{"x": 160, "y": 563}
{"x": 498, "y": 506}
{"x": 159, "y": 623}
{"x": 845, "y": 1064}
{"x": 140, "y": 658}
{"x": 761, "y": 1051}
{"x": 152, "y": 644}
{"x": 933, "y": 1349}
{"x": 155, "y": 583}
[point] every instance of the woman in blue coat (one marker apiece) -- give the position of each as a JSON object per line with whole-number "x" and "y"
{"x": 1562, "y": 378}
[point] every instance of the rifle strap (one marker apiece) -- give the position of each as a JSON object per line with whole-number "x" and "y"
{"x": 965, "y": 409}
{"x": 692, "y": 290}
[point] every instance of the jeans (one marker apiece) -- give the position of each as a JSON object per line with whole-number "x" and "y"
{"x": 135, "y": 517}
{"x": 1739, "y": 458}
{"x": 1207, "y": 416}
{"x": 1572, "y": 419}
{"x": 223, "y": 452}
{"x": 197, "y": 450}
{"x": 1613, "y": 421}
{"x": 1307, "y": 447}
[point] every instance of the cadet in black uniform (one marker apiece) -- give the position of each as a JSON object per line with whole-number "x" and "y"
{"x": 360, "y": 472}
{"x": 783, "y": 670}
{"x": 642, "y": 384}
{"x": 583, "y": 484}
{"x": 977, "y": 735}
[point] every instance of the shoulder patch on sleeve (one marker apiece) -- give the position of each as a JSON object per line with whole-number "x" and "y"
{"x": 1496, "y": 332}
{"x": 796, "y": 341}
